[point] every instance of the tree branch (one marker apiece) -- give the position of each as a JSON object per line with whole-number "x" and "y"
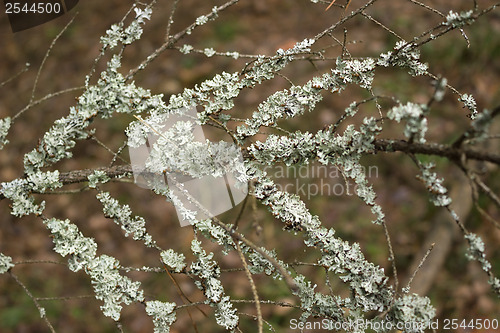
{"x": 382, "y": 145}
{"x": 448, "y": 151}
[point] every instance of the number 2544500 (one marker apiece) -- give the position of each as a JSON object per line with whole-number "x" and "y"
{"x": 35, "y": 8}
{"x": 476, "y": 324}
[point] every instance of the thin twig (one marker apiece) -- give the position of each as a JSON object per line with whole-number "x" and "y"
{"x": 174, "y": 39}
{"x": 171, "y": 19}
{"x": 26, "y": 66}
{"x": 252, "y": 285}
{"x": 63, "y": 298}
{"x": 47, "y": 55}
{"x": 240, "y": 214}
{"x": 383, "y": 26}
{"x": 46, "y": 97}
{"x": 487, "y": 190}
{"x": 420, "y": 265}
{"x": 26, "y": 262}
{"x": 115, "y": 155}
{"x": 486, "y": 215}
{"x": 343, "y": 20}
{"x": 183, "y": 296}
{"x": 224, "y": 54}
{"x": 271, "y": 328}
{"x": 40, "y": 308}
{"x": 392, "y": 259}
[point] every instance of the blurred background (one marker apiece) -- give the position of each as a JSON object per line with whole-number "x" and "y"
{"x": 457, "y": 288}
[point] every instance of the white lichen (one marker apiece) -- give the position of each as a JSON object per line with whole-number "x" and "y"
{"x": 163, "y": 315}
{"x": 4, "y": 130}
{"x": 412, "y": 312}
{"x": 174, "y": 260}
{"x": 5, "y": 263}
{"x": 439, "y": 193}
{"x": 414, "y": 117}
{"x": 457, "y": 20}
{"x": 470, "y": 104}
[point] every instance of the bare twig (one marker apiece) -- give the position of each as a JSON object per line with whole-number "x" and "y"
{"x": 420, "y": 266}
{"x": 171, "y": 19}
{"x": 46, "y": 97}
{"x": 174, "y": 39}
{"x": 252, "y": 285}
{"x": 183, "y": 296}
{"x": 26, "y": 66}
{"x": 47, "y": 55}
{"x": 40, "y": 308}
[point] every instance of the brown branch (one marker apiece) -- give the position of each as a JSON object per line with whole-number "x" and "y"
{"x": 447, "y": 151}
{"x": 470, "y": 131}
{"x": 382, "y": 145}
{"x": 79, "y": 176}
